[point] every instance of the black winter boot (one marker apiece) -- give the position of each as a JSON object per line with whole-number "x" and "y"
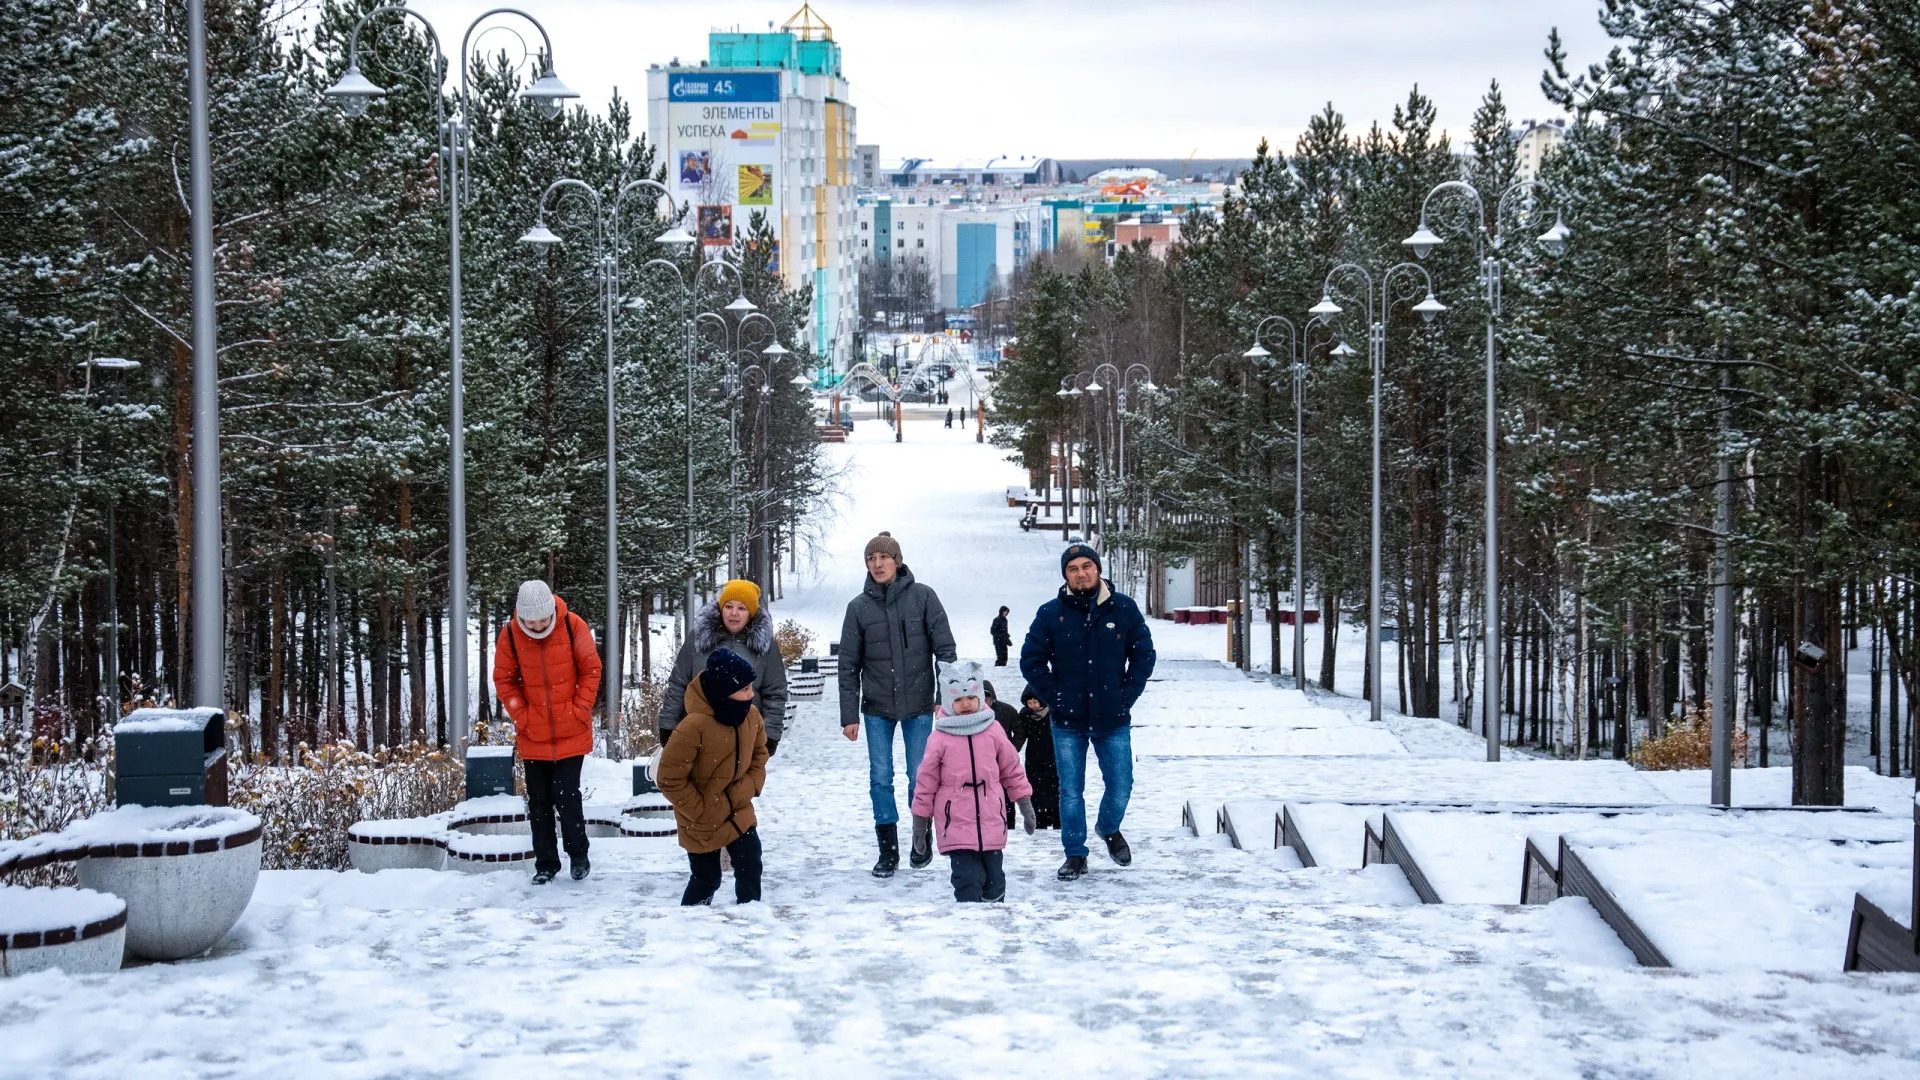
{"x": 1117, "y": 849}
{"x": 541, "y": 877}
{"x": 889, "y": 837}
{"x": 1074, "y": 868}
{"x": 580, "y": 868}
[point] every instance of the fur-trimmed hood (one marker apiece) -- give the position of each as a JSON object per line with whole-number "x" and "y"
{"x": 710, "y": 631}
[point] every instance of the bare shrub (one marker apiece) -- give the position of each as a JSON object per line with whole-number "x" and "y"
{"x": 1687, "y": 745}
{"x": 305, "y": 808}
{"x": 644, "y": 704}
{"x": 46, "y": 785}
{"x": 793, "y": 639}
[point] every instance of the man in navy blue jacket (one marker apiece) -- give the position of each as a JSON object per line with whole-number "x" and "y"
{"x": 1088, "y": 655}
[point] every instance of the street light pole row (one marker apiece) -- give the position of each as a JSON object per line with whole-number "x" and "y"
{"x": 1429, "y": 308}
{"x": 354, "y": 92}
{"x": 1298, "y": 348}
{"x": 606, "y": 231}
{"x": 1487, "y": 238}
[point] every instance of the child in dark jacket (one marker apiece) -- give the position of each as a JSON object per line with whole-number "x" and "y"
{"x": 1033, "y": 733}
{"x": 969, "y": 768}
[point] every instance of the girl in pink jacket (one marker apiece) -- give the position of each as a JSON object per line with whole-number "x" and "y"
{"x": 969, "y": 768}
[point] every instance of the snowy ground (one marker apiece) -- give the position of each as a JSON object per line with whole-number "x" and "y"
{"x": 1199, "y": 960}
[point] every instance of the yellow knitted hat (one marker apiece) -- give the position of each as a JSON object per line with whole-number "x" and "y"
{"x": 744, "y": 591}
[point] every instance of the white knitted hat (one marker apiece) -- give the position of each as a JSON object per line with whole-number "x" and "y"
{"x": 535, "y": 603}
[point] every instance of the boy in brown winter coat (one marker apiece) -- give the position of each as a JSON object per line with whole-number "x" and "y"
{"x": 713, "y": 767}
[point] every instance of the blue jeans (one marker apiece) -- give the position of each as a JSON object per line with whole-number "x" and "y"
{"x": 880, "y": 761}
{"x": 1114, "y": 751}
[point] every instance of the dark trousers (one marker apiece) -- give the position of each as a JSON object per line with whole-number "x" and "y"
{"x": 978, "y": 876}
{"x": 999, "y": 654}
{"x": 706, "y": 871}
{"x": 555, "y": 785}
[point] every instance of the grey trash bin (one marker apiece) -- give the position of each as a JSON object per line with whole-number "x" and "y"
{"x": 489, "y": 771}
{"x": 171, "y": 757}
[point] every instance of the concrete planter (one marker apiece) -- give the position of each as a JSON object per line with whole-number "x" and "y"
{"x": 482, "y": 835}
{"x": 179, "y": 904}
{"x": 406, "y": 844}
{"x": 481, "y": 854}
{"x": 648, "y": 815}
{"x": 78, "y": 931}
{"x": 185, "y": 872}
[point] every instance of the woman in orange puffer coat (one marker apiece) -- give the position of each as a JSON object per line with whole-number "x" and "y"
{"x": 547, "y": 673}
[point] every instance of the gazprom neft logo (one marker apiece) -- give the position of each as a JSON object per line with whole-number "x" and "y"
{"x": 723, "y": 86}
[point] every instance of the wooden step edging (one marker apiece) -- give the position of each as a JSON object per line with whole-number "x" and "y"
{"x": 1577, "y": 879}
{"x": 1877, "y": 942}
{"x": 1395, "y": 851}
{"x": 1286, "y": 833}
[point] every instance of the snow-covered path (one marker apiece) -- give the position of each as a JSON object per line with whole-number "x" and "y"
{"x": 1199, "y": 960}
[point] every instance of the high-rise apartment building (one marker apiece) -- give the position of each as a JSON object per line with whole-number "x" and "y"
{"x": 763, "y": 126}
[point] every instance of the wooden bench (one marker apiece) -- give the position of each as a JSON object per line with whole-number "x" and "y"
{"x": 1876, "y": 941}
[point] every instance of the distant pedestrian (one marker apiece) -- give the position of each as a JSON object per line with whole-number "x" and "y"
{"x": 546, "y": 672}
{"x": 1002, "y": 637}
{"x": 1087, "y": 657}
{"x": 711, "y": 770}
{"x": 949, "y": 418}
{"x": 894, "y": 631}
{"x": 738, "y": 622}
{"x": 970, "y": 767}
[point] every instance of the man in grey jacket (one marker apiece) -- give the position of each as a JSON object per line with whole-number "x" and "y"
{"x": 736, "y": 621}
{"x": 894, "y": 631}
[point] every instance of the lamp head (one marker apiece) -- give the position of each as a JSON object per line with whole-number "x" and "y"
{"x": 1423, "y": 240}
{"x": 1343, "y": 349}
{"x": 675, "y": 237}
{"x": 775, "y": 350}
{"x": 1149, "y": 385}
{"x": 1256, "y": 353}
{"x": 539, "y": 235}
{"x": 111, "y": 363}
{"x": 1326, "y": 308}
{"x": 741, "y": 305}
{"x": 636, "y": 304}
{"x": 548, "y": 94}
{"x": 1094, "y": 387}
{"x": 801, "y": 380}
{"x": 1429, "y": 308}
{"x": 1555, "y": 239}
{"x": 354, "y": 92}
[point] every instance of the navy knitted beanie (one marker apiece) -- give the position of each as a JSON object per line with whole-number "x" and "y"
{"x": 726, "y": 674}
{"x": 1078, "y": 551}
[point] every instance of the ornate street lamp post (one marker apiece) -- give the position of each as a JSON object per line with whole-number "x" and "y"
{"x": 1429, "y": 308}
{"x": 354, "y": 93}
{"x": 1487, "y": 238}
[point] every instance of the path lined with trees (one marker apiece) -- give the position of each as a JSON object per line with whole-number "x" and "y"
{"x": 332, "y": 279}
{"x": 1740, "y": 281}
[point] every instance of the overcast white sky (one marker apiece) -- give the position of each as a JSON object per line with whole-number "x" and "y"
{"x": 1080, "y": 78}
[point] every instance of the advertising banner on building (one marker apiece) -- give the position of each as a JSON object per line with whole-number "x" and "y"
{"x": 723, "y": 146}
{"x": 716, "y": 225}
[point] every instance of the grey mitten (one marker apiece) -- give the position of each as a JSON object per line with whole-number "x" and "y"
{"x": 1026, "y": 814}
{"x": 922, "y": 852}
